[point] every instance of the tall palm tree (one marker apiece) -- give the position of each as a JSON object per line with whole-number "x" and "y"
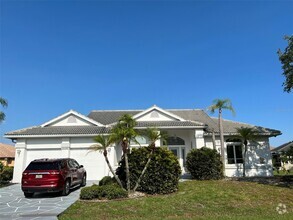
{"x": 220, "y": 104}
{"x": 4, "y": 104}
{"x": 123, "y": 132}
{"x": 153, "y": 135}
{"x": 246, "y": 134}
{"x": 103, "y": 142}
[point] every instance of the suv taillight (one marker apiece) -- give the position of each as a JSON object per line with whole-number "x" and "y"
{"x": 24, "y": 173}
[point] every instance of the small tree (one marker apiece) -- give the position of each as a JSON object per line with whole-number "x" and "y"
{"x": 4, "y": 104}
{"x": 220, "y": 104}
{"x": 286, "y": 59}
{"x": 103, "y": 143}
{"x": 246, "y": 134}
{"x": 153, "y": 135}
{"x": 123, "y": 132}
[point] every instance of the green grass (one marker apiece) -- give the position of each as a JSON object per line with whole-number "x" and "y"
{"x": 282, "y": 173}
{"x": 194, "y": 200}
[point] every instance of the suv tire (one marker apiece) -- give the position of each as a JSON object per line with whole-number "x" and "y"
{"x": 66, "y": 188}
{"x": 83, "y": 181}
{"x": 28, "y": 195}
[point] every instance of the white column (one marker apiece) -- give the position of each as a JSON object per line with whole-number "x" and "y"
{"x": 65, "y": 147}
{"x": 199, "y": 139}
{"x": 20, "y": 160}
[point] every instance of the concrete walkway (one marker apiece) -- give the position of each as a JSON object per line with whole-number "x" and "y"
{"x": 13, "y": 204}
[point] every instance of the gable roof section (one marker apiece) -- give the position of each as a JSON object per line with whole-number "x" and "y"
{"x": 158, "y": 109}
{"x": 7, "y": 151}
{"x": 283, "y": 147}
{"x": 69, "y": 113}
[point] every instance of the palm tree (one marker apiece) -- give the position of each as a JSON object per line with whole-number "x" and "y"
{"x": 246, "y": 134}
{"x": 4, "y": 104}
{"x": 123, "y": 132}
{"x": 103, "y": 143}
{"x": 153, "y": 135}
{"x": 220, "y": 104}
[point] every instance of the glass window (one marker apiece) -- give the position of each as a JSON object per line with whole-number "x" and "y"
{"x": 43, "y": 166}
{"x": 234, "y": 154}
{"x": 140, "y": 140}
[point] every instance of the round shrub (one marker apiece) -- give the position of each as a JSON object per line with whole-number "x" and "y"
{"x": 162, "y": 175}
{"x": 114, "y": 192}
{"x": 6, "y": 174}
{"x": 107, "y": 180}
{"x": 91, "y": 192}
{"x": 204, "y": 164}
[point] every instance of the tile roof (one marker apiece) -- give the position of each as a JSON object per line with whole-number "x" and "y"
{"x": 283, "y": 147}
{"x": 60, "y": 130}
{"x": 230, "y": 127}
{"x": 193, "y": 117}
{"x": 7, "y": 151}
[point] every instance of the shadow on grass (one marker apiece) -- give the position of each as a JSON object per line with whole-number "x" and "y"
{"x": 280, "y": 181}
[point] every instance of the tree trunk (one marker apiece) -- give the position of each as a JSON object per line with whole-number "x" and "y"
{"x": 127, "y": 172}
{"x": 222, "y": 142}
{"x": 214, "y": 140}
{"x": 143, "y": 171}
{"x": 112, "y": 171}
{"x": 244, "y": 160}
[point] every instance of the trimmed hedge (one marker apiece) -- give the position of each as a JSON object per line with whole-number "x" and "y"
{"x": 204, "y": 164}
{"x": 162, "y": 175}
{"x": 112, "y": 191}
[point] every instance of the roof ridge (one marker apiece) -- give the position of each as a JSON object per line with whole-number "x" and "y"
{"x": 238, "y": 122}
{"x": 116, "y": 110}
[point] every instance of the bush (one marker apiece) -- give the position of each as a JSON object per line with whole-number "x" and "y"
{"x": 90, "y": 192}
{"x": 204, "y": 164}
{"x": 112, "y": 191}
{"x": 107, "y": 180}
{"x": 6, "y": 174}
{"x": 162, "y": 175}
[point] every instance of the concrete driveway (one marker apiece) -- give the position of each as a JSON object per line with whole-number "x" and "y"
{"x": 13, "y": 204}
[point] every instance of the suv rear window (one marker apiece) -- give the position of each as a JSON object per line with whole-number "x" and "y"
{"x": 43, "y": 166}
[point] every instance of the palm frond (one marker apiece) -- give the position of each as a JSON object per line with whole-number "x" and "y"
{"x": 3, "y": 102}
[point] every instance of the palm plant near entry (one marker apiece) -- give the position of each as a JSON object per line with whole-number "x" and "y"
{"x": 153, "y": 135}
{"x": 123, "y": 132}
{"x": 103, "y": 142}
{"x": 220, "y": 104}
{"x": 4, "y": 104}
{"x": 246, "y": 134}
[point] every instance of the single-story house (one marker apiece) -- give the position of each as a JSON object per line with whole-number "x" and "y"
{"x": 7, "y": 153}
{"x": 71, "y": 134}
{"x": 277, "y": 153}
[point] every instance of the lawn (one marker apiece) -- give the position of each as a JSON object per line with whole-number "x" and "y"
{"x": 195, "y": 200}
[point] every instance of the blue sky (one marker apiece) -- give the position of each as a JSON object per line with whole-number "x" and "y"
{"x": 91, "y": 55}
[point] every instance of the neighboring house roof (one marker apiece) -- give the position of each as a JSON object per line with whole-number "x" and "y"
{"x": 186, "y": 118}
{"x": 7, "y": 151}
{"x": 284, "y": 147}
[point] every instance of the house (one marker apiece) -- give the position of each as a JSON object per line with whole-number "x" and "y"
{"x": 71, "y": 134}
{"x": 277, "y": 156}
{"x": 7, "y": 153}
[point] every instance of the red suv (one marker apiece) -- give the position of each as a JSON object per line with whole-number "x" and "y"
{"x": 52, "y": 175}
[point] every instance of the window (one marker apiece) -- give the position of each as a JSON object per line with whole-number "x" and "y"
{"x": 262, "y": 160}
{"x": 234, "y": 154}
{"x": 140, "y": 139}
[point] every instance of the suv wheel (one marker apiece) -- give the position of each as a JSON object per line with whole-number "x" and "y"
{"x": 28, "y": 195}
{"x": 83, "y": 182}
{"x": 66, "y": 188}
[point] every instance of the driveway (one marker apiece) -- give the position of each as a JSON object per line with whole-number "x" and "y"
{"x": 13, "y": 204}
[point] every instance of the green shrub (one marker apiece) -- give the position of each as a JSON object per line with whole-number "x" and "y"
{"x": 204, "y": 164}
{"x": 1, "y": 166}
{"x": 162, "y": 175}
{"x": 91, "y": 192}
{"x": 6, "y": 174}
{"x": 107, "y": 180}
{"x": 112, "y": 191}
